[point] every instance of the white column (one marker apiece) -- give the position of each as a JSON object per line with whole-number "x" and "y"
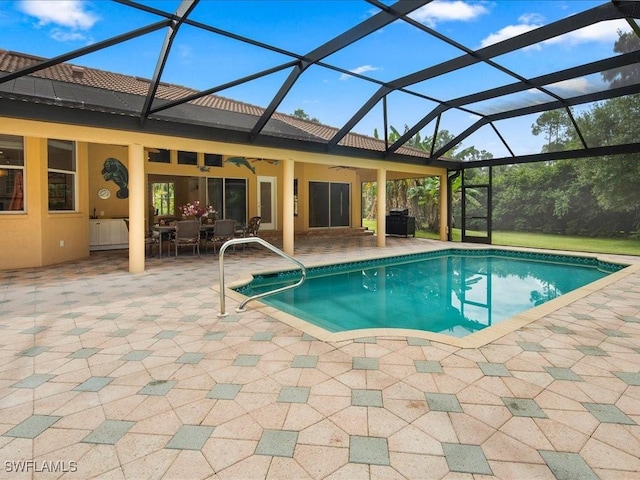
{"x": 288, "y": 227}
{"x": 444, "y": 208}
{"x": 381, "y": 188}
{"x": 136, "y": 208}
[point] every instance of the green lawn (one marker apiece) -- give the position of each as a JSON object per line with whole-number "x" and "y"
{"x": 621, "y": 246}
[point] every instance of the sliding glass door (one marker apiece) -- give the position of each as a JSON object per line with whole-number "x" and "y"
{"x": 329, "y": 204}
{"x": 228, "y": 197}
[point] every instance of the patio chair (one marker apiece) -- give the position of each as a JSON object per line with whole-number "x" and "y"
{"x": 250, "y": 231}
{"x": 187, "y": 234}
{"x": 150, "y": 239}
{"x": 253, "y": 226}
{"x": 223, "y": 230}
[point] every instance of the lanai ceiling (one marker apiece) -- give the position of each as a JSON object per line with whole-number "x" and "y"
{"x": 430, "y": 82}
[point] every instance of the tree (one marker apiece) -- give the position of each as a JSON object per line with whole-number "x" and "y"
{"x": 300, "y": 113}
{"x": 554, "y": 125}
{"x": 472, "y": 154}
{"x": 615, "y": 181}
{"x": 627, "y": 75}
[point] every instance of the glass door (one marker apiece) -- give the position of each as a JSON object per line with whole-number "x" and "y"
{"x": 476, "y": 209}
{"x": 267, "y": 202}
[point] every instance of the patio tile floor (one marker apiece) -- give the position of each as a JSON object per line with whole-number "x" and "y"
{"x": 136, "y": 376}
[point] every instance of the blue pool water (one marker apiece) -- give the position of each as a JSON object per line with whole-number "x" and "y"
{"x": 455, "y": 292}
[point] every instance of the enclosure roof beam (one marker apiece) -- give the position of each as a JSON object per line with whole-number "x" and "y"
{"x": 548, "y": 79}
{"x": 597, "y": 14}
{"x": 578, "y": 100}
{"x": 370, "y": 25}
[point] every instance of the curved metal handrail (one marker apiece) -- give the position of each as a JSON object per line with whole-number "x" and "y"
{"x": 237, "y": 241}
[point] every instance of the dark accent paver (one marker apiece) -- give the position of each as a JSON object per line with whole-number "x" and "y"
{"x": 190, "y": 357}
{"x": 109, "y": 432}
{"x": 369, "y": 450}
{"x": 629, "y": 378}
{"x": 33, "y": 351}
{"x": 466, "y": 459}
{"x": 443, "y": 402}
{"x": 418, "y": 342}
{"x": 531, "y": 347}
{"x": 84, "y": 353}
{"x": 136, "y": 355}
{"x": 244, "y": 360}
{"x": 428, "y": 366}
{"x": 494, "y": 369}
{"x": 560, "y": 373}
{"x": 33, "y": 381}
{"x": 592, "y": 351}
{"x": 568, "y": 466}
{"x": 157, "y": 387}
{"x": 262, "y": 336}
{"x": 366, "y": 398}
{"x": 190, "y": 437}
{"x": 224, "y": 391}
{"x": 277, "y": 443}
{"x": 32, "y": 426}
{"x": 606, "y": 413}
{"x": 214, "y": 335}
{"x": 294, "y": 394}
{"x": 305, "y": 361}
{"x": 523, "y": 407}
{"x": 364, "y": 363}
{"x": 94, "y": 384}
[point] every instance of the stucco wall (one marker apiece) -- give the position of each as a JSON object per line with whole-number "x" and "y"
{"x": 39, "y": 237}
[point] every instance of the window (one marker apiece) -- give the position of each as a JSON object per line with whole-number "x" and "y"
{"x": 11, "y": 174}
{"x": 159, "y": 155}
{"x": 212, "y": 160}
{"x": 329, "y": 204}
{"x": 164, "y": 198}
{"x": 61, "y": 155}
{"x": 187, "y": 158}
{"x": 228, "y": 197}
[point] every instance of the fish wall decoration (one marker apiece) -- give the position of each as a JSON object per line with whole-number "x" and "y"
{"x": 241, "y": 162}
{"x": 114, "y": 169}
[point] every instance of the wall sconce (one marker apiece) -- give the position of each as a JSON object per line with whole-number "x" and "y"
{"x": 3, "y": 172}
{"x": 204, "y": 169}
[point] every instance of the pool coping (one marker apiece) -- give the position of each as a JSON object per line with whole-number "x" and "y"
{"x": 473, "y": 340}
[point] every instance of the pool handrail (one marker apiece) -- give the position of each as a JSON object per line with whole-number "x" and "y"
{"x": 237, "y": 241}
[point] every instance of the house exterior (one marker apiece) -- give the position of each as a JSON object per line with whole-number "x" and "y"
{"x": 73, "y": 148}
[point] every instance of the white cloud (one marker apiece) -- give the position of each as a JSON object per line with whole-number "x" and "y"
{"x": 359, "y": 70}
{"x": 66, "y": 36}
{"x": 506, "y": 32}
{"x": 531, "y": 18}
{"x": 68, "y": 17}
{"x": 527, "y": 22}
{"x": 606, "y": 32}
{"x": 448, "y": 11}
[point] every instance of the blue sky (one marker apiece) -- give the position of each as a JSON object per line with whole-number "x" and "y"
{"x": 202, "y": 60}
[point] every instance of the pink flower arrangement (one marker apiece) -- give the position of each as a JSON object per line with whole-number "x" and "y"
{"x": 195, "y": 210}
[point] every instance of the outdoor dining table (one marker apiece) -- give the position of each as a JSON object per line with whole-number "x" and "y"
{"x": 165, "y": 231}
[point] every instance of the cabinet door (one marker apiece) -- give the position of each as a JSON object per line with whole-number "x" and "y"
{"x": 94, "y": 232}
{"x": 111, "y": 232}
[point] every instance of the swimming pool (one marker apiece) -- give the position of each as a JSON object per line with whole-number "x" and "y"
{"x": 455, "y": 292}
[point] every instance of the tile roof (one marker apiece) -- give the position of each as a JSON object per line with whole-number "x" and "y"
{"x": 116, "y": 82}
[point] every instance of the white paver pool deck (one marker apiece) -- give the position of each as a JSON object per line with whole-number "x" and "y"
{"x": 105, "y": 374}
